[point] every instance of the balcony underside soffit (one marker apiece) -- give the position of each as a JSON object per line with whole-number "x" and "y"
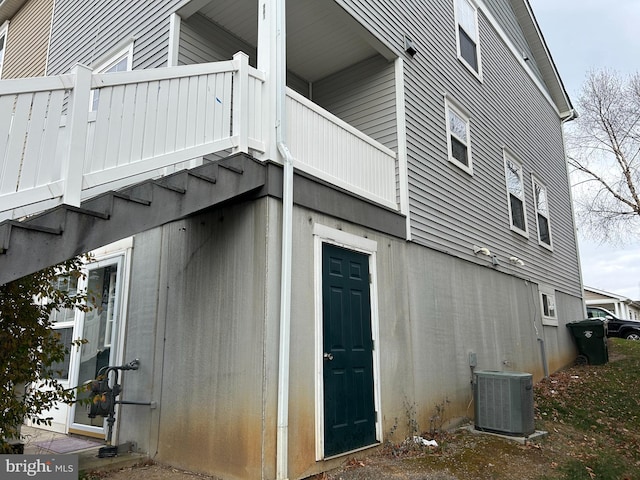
{"x": 322, "y": 38}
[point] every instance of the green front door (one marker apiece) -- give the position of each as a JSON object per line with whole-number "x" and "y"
{"x": 349, "y": 407}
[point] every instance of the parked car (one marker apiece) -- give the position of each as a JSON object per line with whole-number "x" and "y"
{"x": 616, "y": 327}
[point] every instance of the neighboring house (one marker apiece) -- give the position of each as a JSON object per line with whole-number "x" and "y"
{"x": 24, "y": 37}
{"x": 426, "y": 225}
{"x": 621, "y": 307}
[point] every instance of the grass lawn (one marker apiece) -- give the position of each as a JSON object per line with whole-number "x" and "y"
{"x": 591, "y": 414}
{"x": 595, "y": 412}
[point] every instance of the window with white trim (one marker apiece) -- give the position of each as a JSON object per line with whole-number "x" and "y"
{"x": 548, "y": 305}
{"x": 3, "y": 44}
{"x": 458, "y": 137}
{"x": 515, "y": 194}
{"x": 541, "y": 200}
{"x": 467, "y": 34}
{"x": 119, "y": 62}
{"x": 62, "y": 322}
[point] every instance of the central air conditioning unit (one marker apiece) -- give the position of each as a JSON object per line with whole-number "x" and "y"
{"x": 504, "y": 402}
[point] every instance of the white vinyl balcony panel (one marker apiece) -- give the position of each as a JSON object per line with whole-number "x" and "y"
{"x": 164, "y": 119}
{"x": 331, "y": 149}
{"x": 54, "y": 150}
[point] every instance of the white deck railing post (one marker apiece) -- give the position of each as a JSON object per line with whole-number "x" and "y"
{"x": 73, "y": 162}
{"x": 240, "y": 125}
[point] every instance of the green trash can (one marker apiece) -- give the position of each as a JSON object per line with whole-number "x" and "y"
{"x": 591, "y": 338}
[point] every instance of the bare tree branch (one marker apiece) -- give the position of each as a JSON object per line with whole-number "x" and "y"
{"x": 605, "y": 155}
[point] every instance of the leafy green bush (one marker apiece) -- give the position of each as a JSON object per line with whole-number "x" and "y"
{"x": 30, "y": 350}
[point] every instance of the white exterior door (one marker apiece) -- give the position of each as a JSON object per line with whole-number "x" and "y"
{"x": 99, "y": 327}
{"x": 102, "y": 327}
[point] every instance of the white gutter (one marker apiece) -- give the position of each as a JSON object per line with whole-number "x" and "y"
{"x": 282, "y": 435}
{"x": 572, "y": 115}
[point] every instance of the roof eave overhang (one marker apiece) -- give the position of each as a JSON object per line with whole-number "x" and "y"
{"x": 543, "y": 58}
{"x": 8, "y": 9}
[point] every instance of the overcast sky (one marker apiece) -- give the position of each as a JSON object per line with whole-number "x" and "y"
{"x": 585, "y": 35}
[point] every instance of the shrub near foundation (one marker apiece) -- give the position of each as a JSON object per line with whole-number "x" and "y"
{"x": 30, "y": 349}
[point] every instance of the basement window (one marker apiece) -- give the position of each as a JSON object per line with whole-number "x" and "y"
{"x": 548, "y": 305}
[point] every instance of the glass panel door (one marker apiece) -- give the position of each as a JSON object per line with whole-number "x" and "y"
{"x": 99, "y": 327}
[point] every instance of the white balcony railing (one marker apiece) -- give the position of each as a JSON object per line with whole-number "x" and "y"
{"x": 54, "y": 150}
{"x": 331, "y": 149}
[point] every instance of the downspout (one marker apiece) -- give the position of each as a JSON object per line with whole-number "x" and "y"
{"x": 564, "y": 118}
{"x": 282, "y": 435}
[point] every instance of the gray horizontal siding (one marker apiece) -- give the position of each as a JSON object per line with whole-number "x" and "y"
{"x": 363, "y": 96}
{"x": 503, "y": 12}
{"x": 203, "y": 41}
{"x": 451, "y": 210}
{"x": 86, "y": 32}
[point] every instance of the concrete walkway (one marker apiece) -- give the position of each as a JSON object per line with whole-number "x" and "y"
{"x": 43, "y": 442}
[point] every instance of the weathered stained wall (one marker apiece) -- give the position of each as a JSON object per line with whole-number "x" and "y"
{"x": 204, "y": 319}
{"x": 434, "y": 309}
{"x": 198, "y": 314}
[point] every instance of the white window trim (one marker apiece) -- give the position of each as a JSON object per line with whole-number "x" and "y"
{"x": 114, "y": 56}
{"x": 60, "y": 326}
{"x": 450, "y": 103}
{"x": 549, "y": 292}
{"x": 324, "y": 234}
{"x": 4, "y": 32}
{"x": 109, "y": 61}
{"x": 477, "y": 74}
{"x": 509, "y": 156}
{"x": 536, "y": 181}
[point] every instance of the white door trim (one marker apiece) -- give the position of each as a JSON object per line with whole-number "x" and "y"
{"x": 324, "y": 234}
{"x": 118, "y": 253}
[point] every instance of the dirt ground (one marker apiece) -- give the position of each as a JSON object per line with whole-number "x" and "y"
{"x": 605, "y": 446}
{"x": 461, "y": 455}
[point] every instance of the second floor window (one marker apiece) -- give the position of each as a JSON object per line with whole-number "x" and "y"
{"x": 120, "y": 62}
{"x": 515, "y": 192}
{"x": 3, "y": 44}
{"x": 458, "y": 137}
{"x": 542, "y": 213}
{"x": 467, "y": 34}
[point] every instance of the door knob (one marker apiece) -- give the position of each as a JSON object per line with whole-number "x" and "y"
{"x": 328, "y": 356}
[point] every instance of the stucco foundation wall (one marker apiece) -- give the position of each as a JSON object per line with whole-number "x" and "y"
{"x": 204, "y": 320}
{"x": 434, "y": 310}
{"x": 141, "y": 336}
{"x": 458, "y": 308}
{"x": 199, "y": 303}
